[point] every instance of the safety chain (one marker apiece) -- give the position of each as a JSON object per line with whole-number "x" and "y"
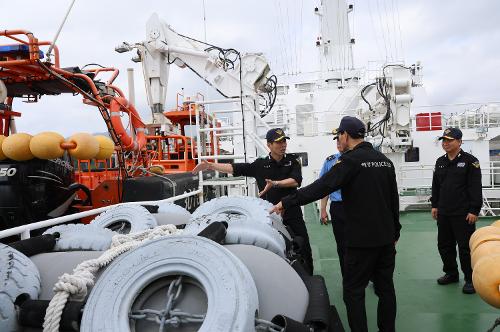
{"x": 175, "y": 317}
{"x": 267, "y": 326}
{"x": 497, "y": 322}
{"x": 168, "y": 316}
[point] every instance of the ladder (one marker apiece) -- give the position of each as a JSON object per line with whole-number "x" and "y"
{"x": 239, "y": 131}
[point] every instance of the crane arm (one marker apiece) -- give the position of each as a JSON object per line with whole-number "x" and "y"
{"x": 229, "y": 72}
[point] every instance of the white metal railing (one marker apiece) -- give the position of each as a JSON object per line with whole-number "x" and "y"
{"x": 417, "y": 180}
{"x": 464, "y": 116}
{"x": 420, "y": 176}
{"x": 25, "y": 230}
{"x": 231, "y": 130}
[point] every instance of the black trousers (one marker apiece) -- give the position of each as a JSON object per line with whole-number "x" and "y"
{"x": 360, "y": 265}
{"x": 453, "y": 231}
{"x": 338, "y": 216}
{"x": 295, "y": 221}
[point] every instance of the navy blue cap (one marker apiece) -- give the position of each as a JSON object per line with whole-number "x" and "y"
{"x": 276, "y": 135}
{"x": 352, "y": 125}
{"x": 451, "y": 133}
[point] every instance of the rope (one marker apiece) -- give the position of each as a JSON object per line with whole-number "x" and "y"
{"x": 76, "y": 284}
{"x": 497, "y": 322}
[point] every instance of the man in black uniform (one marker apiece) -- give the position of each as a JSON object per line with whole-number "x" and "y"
{"x": 277, "y": 175}
{"x": 369, "y": 191}
{"x": 456, "y": 201}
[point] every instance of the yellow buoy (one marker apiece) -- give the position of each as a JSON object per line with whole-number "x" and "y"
{"x": 2, "y": 155}
{"x": 483, "y": 250}
{"x": 496, "y": 224}
{"x": 86, "y": 147}
{"x": 47, "y": 145}
{"x": 486, "y": 279}
{"x": 483, "y": 239}
{"x": 106, "y": 147}
{"x": 481, "y": 233}
{"x": 17, "y": 147}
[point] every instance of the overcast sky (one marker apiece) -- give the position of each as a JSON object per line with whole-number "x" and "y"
{"x": 456, "y": 41}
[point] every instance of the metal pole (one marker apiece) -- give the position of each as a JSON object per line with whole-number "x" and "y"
{"x": 198, "y": 147}
{"x": 49, "y": 52}
{"x": 131, "y": 85}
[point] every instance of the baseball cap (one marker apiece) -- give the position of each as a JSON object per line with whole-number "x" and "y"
{"x": 275, "y": 135}
{"x": 352, "y": 125}
{"x": 451, "y": 133}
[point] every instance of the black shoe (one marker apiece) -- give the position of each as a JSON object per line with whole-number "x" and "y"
{"x": 447, "y": 279}
{"x": 468, "y": 288}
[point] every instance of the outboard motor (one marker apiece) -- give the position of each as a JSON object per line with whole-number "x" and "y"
{"x": 35, "y": 190}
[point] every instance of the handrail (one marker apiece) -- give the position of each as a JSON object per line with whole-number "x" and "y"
{"x": 33, "y": 44}
{"x": 412, "y": 176}
{"x": 24, "y": 230}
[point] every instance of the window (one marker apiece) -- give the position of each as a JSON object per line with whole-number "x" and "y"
{"x": 282, "y": 90}
{"x": 306, "y": 124}
{"x": 304, "y": 87}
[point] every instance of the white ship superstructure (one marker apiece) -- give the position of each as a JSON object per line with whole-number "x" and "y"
{"x": 309, "y": 105}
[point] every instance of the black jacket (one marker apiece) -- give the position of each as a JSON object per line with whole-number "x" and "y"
{"x": 268, "y": 168}
{"x": 456, "y": 185}
{"x": 369, "y": 192}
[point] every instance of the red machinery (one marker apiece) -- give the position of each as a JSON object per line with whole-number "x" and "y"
{"x": 25, "y": 74}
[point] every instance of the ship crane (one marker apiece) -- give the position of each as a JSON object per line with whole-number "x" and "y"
{"x": 232, "y": 74}
{"x": 389, "y": 101}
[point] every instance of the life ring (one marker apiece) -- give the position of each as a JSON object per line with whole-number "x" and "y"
{"x": 117, "y": 105}
{"x": 19, "y": 277}
{"x": 226, "y": 292}
{"x": 126, "y": 219}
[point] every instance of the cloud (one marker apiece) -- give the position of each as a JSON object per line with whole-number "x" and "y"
{"x": 456, "y": 41}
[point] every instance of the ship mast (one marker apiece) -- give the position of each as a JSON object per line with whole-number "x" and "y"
{"x": 334, "y": 41}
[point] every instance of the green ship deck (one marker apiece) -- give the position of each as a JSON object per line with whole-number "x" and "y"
{"x": 423, "y": 305}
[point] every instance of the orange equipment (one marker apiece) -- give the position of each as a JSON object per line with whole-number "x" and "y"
{"x": 121, "y": 104}
{"x": 26, "y": 74}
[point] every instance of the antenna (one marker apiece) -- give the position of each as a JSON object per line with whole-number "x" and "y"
{"x": 49, "y": 52}
{"x": 204, "y": 21}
